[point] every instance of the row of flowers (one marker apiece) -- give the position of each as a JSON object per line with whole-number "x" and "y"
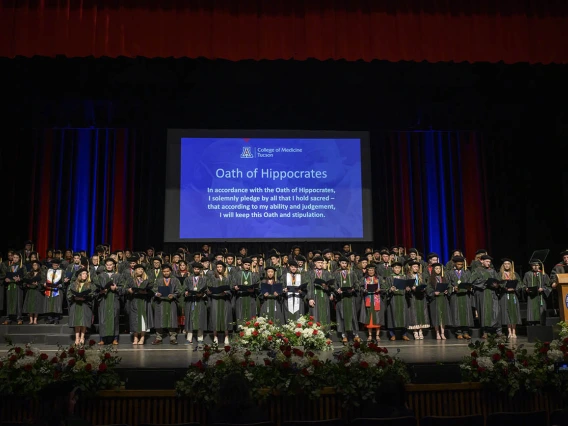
{"x": 356, "y": 373}
{"x": 262, "y": 334}
{"x": 26, "y": 370}
{"x": 516, "y": 370}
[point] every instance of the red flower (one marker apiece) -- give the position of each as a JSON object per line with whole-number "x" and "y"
{"x": 311, "y": 318}
{"x": 565, "y": 340}
{"x": 381, "y": 363}
{"x": 107, "y": 355}
{"x": 543, "y": 350}
{"x": 248, "y": 353}
{"x": 389, "y": 361}
{"x": 54, "y": 360}
{"x": 29, "y": 353}
{"x": 56, "y": 375}
{"x": 92, "y": 342}
{"x": 63, "y": 355}
{"x": 207, "y": 348}
{"x": 287, "y": 354}
{"x": 525, "y": 363}
{"x": 81, "y": 352}
{"x": 28, "y": 367}
{"x": 298, "y": 325}
{"x": 71, "y": 362}
{"x": 285, "y": 339}
{"x": 546, "y": 343}
{"x": 328, "y": 342}
{"x": 198, "y": 364}
{"x": 219, "y": 362}
{"x": 315, "y": 362}
{"x": 385, "y": 351}
{"x": 298, "y": 352}
{"x": 251, "y": 363}
{"x": 318, "y": 324}
{"x": 311, "y": 354}
{"x": 474, "y": 354}
{"x": 364, "y": 364}
{"x": 255, "y": 333}
{"x": 18, "y": 350}
{"x": 357, "y": 345}
{"x": 474, "y": 363}
{"x": 269, "y": 338}
{"x": 305, "y": 372}
{"x": 285, "y": 364}
{"x": 102, "y": 368}
{"x": 242, "y": 334}
{"x": 256, "y": 324}
{"x": 206, "y": 355}
{"x": 43, "y": 357}
{"x": 247, "y": 323}
{"x": 88, "y": 367}
{"x": 349, "y": 354}
{"x": 71, "y": 351}
{"x": 501, "y": 347}
{"x": 509, "y": 354}
{"x": 267, "y": 362}
{"x": 310, "y": 323}
{"x": 253, "y": 317}
{"x": 243, "y": 363}
{"x": 480, "y": 369}
{"x": 227, "y": 348}
{"x": 298, "y": 334}
{"x": 278, "y": 334}
{"x": 315, "y": 333}
{"x": 270, "y": 322}
{"x": 496, "y": 357}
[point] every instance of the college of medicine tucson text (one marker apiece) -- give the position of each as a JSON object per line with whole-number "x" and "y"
{"x": 271, "y": 174}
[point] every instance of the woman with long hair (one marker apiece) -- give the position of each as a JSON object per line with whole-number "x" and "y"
{"x": 140, "y": 311}
{"x": 79, "y": 296}
{"x": 371, "y": 315}
{"x": 508, "y": 298}
{"x": 271, "y": 301}
{"x": 221, "y": 314}
{"x": 34, "y": 298}
{"x": 14, "y": 272}
{"x": 418, "y": 311}
{"x": 439, "y": 304}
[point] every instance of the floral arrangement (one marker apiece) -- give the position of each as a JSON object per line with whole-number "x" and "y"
{"x": 563, "y": 329}
{"x": 288, "y": 370}
{"x": 258, "y": 334}
{"x": 262, "y": 334}
{"x": 514, "y": 369}
{"x": 307, "y": 333}
{"x": 362, "y": 367}
{"x": 26, "y": 370}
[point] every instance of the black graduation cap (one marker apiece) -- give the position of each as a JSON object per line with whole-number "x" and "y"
{"x": 481, "y": 251}
{"x": 196, "y": 265}
{"x": 138, "y": 266}
{"x": 384, "y": 251}
{"x": 246, "y": 260}
{"x": 412, "y": 250}
{"x": 77, "y": 254}
{"x": 110, "y": 259}
{"x": 156, "y": 258}
{"x": 343, "y": 259}
{"x": 564, "y": 253}
{"x": 220, "y": 262}
{"x": 132, "y": 259}
{"x": 301, "y": 258}
{"x": 371, "y": 265}
{"x": 397, "y": 264}
{"x": 486, "y": 256}
{"x": 539, "y": 256}
{"x": 292, "y": 263}
{"x": 230, "y": 255}
{"x": 437, "y": 264}
{"x": 166, "y": 266}
{"x": 296, "y": 247}
{"x": 327, "y": 250}
{"x": 205, "y": 259}
{"x": 431, "y": 255}
{"x": 270, "y": 267}
{"x": 317, "y": 259}
{"x": 81, "y": 270}
{"x": 506, "y": 259}
{"x": 376, "y": 251}
{"x": 412, "y": 263}
{"x": 457, "y": 259}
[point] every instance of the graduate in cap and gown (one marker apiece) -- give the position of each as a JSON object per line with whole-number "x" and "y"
{"x": 271, "y": 301}
{"x": 397, "y": 304}
{"x": 80, "y": 298}
{"x": 110, "y": 289}
{"x": 439, "y": 305}
{"x": 319, "y": 295}
{"x": 53, "y": 292}
{"x": 221, "y": 312}
{"x": 536, "y": 284}
{"x": 559, "y": 268}
{"x": 346, "y": 288}
{"x": 245, "y": 294}
{"x": 155, "y": 269}
{"x": 13, "y": 282}
{"x": 165, "y": 305}
{"x": 194, "y": 287}
{"x": 418, "y": 318}
{"x": 460, "y": 298}
{"x": 139, "y": 303}
{"x": 509, "y": 305}
{"x": 487, "y": 297}
{"x": 293, "y": 297}
{"x": 372, "y": 310}
{"x": 34, "y": 299}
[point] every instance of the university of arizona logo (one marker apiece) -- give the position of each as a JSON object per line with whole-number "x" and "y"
{"x": 247, "y": 153}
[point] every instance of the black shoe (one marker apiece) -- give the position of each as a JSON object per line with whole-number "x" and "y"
{"x": 173, "y": 342}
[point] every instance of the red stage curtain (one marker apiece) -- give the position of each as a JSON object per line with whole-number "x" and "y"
{"x": 511, "y": 31}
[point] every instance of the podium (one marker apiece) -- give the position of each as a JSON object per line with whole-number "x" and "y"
{"x": 563, "y": 299}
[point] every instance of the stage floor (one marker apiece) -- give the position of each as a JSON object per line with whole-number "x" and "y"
{"x": 167, "y": 356}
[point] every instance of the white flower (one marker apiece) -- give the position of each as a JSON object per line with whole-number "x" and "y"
{"x": 485, "y": 362}
{"x": 555, "y": 355}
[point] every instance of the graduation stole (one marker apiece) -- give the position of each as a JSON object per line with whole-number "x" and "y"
{"x": 156, "y": 272}
{"x": 319, "y": 273}
{"x": 53, "y": 276}
{"x": 245, "y": 278}
{"x": 375, "y": 297}
{"x": 345, "y": 279}
{"x": 167, "y": 281}
{"x": 195, "y": 282}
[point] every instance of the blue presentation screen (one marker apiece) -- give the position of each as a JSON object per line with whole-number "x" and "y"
{"x": 267, "y": 188}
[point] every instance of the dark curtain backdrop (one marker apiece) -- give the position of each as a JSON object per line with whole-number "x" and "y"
{"x": 492, "y": 172}
{"x": 531, "y": 31}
